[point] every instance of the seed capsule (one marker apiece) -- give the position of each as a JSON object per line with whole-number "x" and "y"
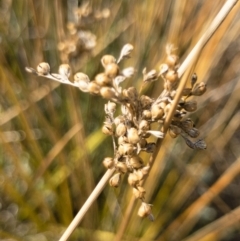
{"x": 93, "y": 88}
{"x": 110, "y": 107}
{"x": 190, "y": 106}
{"x": 133, "y": 179}
{"x": 108, "y": 162}
{"x": 174, "y": 131}
{"x": 112, "y": 70}
{"x": 126, "y": 149}
{"x": 107, "y": 92}
{"x": 144, "y": 210}
{"x": 82, "y": 81}
{"x": 156, "y": 112}
{"x": 107, "y": 129}
{"x": 171, "y": 76}
{"x": 144, "y": 125}
{"x": 133, "y": 136}
{"x": 139, "y": 192}
{"x": 121, "y": 167}
{"x": 131, "y": 93}
{"x": 102, "y": 79}
{"x": 146, "y": 114}
{"x": 64, "y": 70}
{"x": 107, "y": 59}
{"x": 172, "y": 60}
{"x": 194, "y": 132}
{"x": 115, "y": 180}
{"x": 146, "y": 101}
{"x": 121, "y": 129}
{"x": 199, "y": 89}
{"x": 43, "y": 68}
{"x": 136, "y": 162}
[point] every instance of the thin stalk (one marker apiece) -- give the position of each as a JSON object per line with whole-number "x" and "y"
{"x": 96, "y": 192}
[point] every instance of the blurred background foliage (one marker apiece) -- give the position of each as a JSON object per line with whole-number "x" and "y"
{"x": 51, "y": 142}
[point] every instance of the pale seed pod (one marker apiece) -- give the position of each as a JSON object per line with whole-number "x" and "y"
{"x": 156, "y": 112}
{"x": 172, "y": 60}
{"x": 122, "y": 140}
{"x": 43, "y": 68}
{"x": 163, "y": 69}
{"x": 119, "y": 119}
{"x": 93, "y": 87}
{"x": 190, "y": 106}
{"x": 174, "y": 131}
{"x": 146, "y": 114}
{"x": 128, "y": 72}
{"x": 133, "y": 179}
{"x": 102, "y": 79}
{"x": 131, "y": 93}
{"x": 139, "y": 192}
{"x": 121, "y": 129}
{"x": 107, "y": 129}
{"x": 107, "y": 92}
{"x": 107, "y": 59}
{"x": 112, "y": 70}
{"x": 125, "y": 52}
{"x": 145, "y": 170}
{"x": 82, "y": 81}
{"x": 64, "y": 70}
{"x": 194, "y": 132}
{"x": 136, "y": 162}
{"x": 144, "y": 210}
{"x": 133, "y": 136}
{"x": 121, "y": 167}
{"x": 108, "y": 162}
{"x": 199, "y": 89}
{"x": 111, "y": 107}
{"x": 144, "y": 125}
{"x": 150, "y": 76}
{"x": 171, "y": 76}
{"x": 115, "y": 180}
{"x": 126, "y": 149}
{"x": 146, "y": 101}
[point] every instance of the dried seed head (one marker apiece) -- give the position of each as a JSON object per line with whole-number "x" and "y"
{"x": 139, "y": 192}
{"x": 115, "y": 180}
{"x": 93, "y": 87}
{"x": 112, "y": 70}
{"x": 126, "y": 149}
{"x": 64, "y": 70}
{"x": 156, "y": 112}
{"x": 199, "y": 89}
{"x": 43, "y": 68}
{"x": 102, "y": 79}
{"x": 108, "y": 162}
{"x": 133, "y": 179}
{"x": 174, "y": 131}
{"x": 190, "y": 106}
{"x": 144, "y": 210}
{"x": 144, "y": 125}
{"x": 133, "y": 136}
{"x": 121, "y": 129}
{"x": 107, "y": 92}
{"x": 171, "y": 76}
{"x": 172, "y": 60}
{"x": 107, "y": 128}
{"x": 121, "y": 167}
{"x": 107, "y": 59}
{"x": 122, "y": 140}
{"x": 136, "y": 162}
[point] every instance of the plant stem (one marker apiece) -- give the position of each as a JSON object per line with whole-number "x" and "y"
{"x": 95, "y": 193}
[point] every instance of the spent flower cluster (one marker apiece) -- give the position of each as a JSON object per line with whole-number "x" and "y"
{"x": 131, "y": 126}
